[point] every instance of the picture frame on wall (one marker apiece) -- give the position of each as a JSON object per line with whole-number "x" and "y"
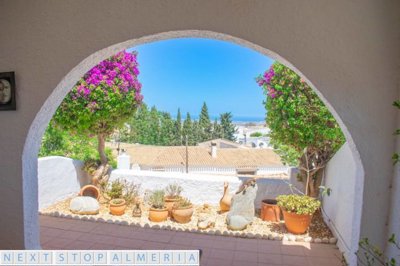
{"x": 7, "y": 91}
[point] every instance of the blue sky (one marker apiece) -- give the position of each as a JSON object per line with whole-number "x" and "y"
{"x": 186, "y": 72}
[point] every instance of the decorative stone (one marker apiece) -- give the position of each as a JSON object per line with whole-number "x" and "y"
{"x": 317, "y": 240}
{"x": 242, "y": 210}
{"x": 325, "y": 240}
{"x": 299, "y": 238}
{"x": 206, "y": 222}
{"x": 109, "y": 221}
{"x": 156, "y": 226}
{"x": 258, "y": 236}
{"x": 84, "y": 205}
{"x": 101, "y": 220}
{"x": 85, "y": 218}
{"x": 292, "y": 238}
{"x": 124, "y": 223}
{"x": 218, "y": 232}
{"x": 332, "y": 240}
{"x": 285, "y": 238}
{"x": 307, "y": 239}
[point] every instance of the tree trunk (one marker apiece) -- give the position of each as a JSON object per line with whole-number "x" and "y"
{"x": 101, "y": 149}
{"x": 315, "y": 183}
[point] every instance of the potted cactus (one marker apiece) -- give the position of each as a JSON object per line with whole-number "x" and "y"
{"x": 297, "y": 211}
{"x": 172, "y": 195}
{"x": 158, "y": 212}
{"x": 182, "y": 210}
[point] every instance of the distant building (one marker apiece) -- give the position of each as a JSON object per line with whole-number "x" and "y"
{"x": 147, "y": 157}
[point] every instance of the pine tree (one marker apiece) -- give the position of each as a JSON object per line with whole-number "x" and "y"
{"x": 205, "y": 124}
{"x": 153, "y": 136}
{"x": 187, "y": 126}
{"x": 167, "y": 130}
{"x": 228, "y": 128}
{"x": 216, "y": 130}
{"x": 178, "y": 130}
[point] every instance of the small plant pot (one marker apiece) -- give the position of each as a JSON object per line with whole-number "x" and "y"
{"x": 90, "y": 191}
{"x": 158, "y": 215}
{"x": 117, "y": 207}
{"x": 169, "y": 204}
{"x": 270, "y": 211}
{"x": 182, "y": 215}
{"x": 296, "y": 223}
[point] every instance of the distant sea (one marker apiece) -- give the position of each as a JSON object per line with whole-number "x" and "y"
{"x": 237, "y": 119}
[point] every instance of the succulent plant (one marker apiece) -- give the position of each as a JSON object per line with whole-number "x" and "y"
{"x": 182, "y": 203}
{"x": 156, "y": 199}
{"x": 173, "y": 190}
{"x": 122, "y": 189}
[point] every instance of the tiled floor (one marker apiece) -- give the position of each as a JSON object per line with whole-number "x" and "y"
{"x": 59, "y": 233}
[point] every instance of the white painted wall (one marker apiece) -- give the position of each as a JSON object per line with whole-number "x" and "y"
{"x": 202, "y": 188}
{"x": 339, "y": 208}
{"x": 59, "y": 178}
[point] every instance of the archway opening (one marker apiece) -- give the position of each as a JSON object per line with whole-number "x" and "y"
{"x": 44, "y": 116}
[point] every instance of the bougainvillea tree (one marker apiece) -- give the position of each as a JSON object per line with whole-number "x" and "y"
{"x": 102, "y": 100}
{"x": 303, "y": 131}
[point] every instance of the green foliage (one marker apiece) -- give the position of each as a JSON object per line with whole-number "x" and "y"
{"x": 153, "y": 127}
{"x": 296, "y": 116}
{"x": 205, "y": 124}
{"x": 173, "y": 191}
{"x": 157, "y": 199}
{"x": 57, "y": 142}
{"x": 102, "y": 100}
{"x": 299, "y": 204}
{"x": 227, "y": 127}
{"x": 122, "y": 189}
{"x": 370, "y": 255}
{"x": 256, "y": 134}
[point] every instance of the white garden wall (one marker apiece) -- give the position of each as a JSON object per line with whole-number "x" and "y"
{"x": 59, "y": 178}
{"x": 202, "y": 188}
{"x": 339, "y": 208}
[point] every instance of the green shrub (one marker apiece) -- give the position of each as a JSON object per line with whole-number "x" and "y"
{"x": 298, "y": 204}
{"x": 56, "y": 142}
{"x": 256, "y": 134}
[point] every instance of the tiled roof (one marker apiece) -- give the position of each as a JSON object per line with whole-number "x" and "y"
{"x": 155, "y": 156}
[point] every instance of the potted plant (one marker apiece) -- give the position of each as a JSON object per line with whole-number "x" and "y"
{"x": 297, "y": 211}
{"x": 120, "y": 194}
{"x": 158, "y": 211}
{"x": 172, "y": 195}
{"x": 182, "y": 210}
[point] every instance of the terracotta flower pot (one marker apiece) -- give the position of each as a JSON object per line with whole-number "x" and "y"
{"x": 117, "y": 206}
{"x": 182, "y": 215}
{"x": 270, "y": 211}
{"x": 296, "y": 223}
{"x": 90, "y": 191}
{"x": 169, "y": 204}
{"x": 158, "y": 215}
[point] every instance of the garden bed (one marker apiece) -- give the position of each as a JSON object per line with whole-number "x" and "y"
{"x": 318, "y": 231}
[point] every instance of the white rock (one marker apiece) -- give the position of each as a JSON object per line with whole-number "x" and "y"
{"x": 84, "y": 205}
{"x": 317, "y": 240}
{"x": 307, "y": 239}
{"x": 325, "y": 240}
{"x": 292, "y": 238}
{"x": 285, "y": 238}
{"x": 332, "y": 240}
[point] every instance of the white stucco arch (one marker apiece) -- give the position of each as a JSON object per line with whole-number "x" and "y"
{"x": 37, "y": 128}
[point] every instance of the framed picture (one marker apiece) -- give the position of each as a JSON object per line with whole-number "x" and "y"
{"x": 7, "y": 91}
